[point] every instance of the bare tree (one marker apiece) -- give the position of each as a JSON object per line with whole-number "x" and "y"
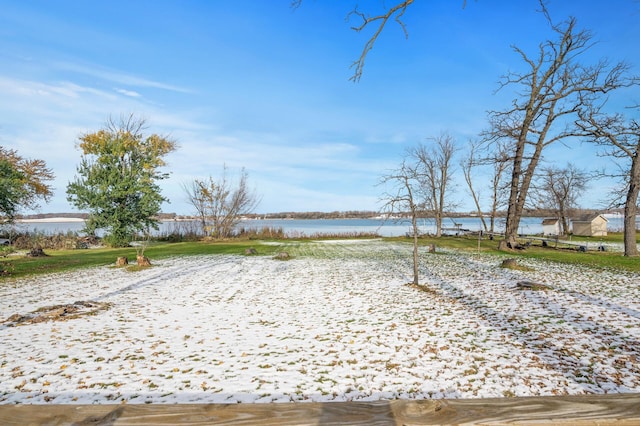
{"x": 558, "y": 189}
{"x": 620, "y": 138}
{"x": 434, "y": 166}
{"x": 420, "y": 184}
{"x": 500, "y": 161}
{"x": 492, "y": 160}
{"x": 220, "y": 204}
{"x": 468, "y": 163}
{"x": 404, "y": 196}
{"x": 555, "y": 86}
{"x": 194, "y": 196}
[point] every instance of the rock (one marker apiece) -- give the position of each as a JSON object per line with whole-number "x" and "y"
{"x": 250, "y": 251}
{"x": 122, "y": 261}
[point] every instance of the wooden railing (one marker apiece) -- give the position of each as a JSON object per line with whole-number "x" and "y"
{"x": 619, "y": 409}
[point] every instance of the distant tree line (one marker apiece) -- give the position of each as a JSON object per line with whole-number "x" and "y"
{"x": 348, "y": 214}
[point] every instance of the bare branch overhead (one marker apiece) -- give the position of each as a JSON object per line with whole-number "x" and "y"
{"x": 395, "y": 12}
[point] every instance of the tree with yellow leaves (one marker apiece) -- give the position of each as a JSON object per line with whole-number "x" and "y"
{"x": 117, "y": 179}
{"x": 22, "y": 183}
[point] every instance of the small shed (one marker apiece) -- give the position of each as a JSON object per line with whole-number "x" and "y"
{"x": 551, "y": 226}
{"x": 594, "y": 225}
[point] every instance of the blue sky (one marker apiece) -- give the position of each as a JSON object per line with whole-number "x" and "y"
{"x": 258, "y": 85}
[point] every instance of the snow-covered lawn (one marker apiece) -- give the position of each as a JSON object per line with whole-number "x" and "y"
{"x": 336, "y": 323}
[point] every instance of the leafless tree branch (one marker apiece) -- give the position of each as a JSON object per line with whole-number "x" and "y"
{"x": 395, "y": 12}
{"x": 620, "y": 138}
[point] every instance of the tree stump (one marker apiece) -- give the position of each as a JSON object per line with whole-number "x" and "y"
{"x": 122, "y": 261}
{"x": 432, "y": 248}
{"x": 143, "y": 261}
{"x": 36, "y": 252}
{"x": 283, "y": 255}
{"x": 509, "y": 264}
{"x": 513, "y": 264}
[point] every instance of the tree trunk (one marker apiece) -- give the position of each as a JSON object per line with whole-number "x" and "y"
{"x": 511, "y": 228}
{"x": 631, "y": 209}
{"x": 503, "y": 245}
{"x": 520, "y": 183}
{"x": 513, "y": 219}
{"x": 414, "y": 223}
{"x": 564, "y": 223}
{"x": 438, "y": 224}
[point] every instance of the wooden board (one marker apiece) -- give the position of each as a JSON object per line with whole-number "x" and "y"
{"x": 623, "y": 409}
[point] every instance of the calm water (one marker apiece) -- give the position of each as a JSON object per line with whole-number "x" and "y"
{"x": 310, "y": 227}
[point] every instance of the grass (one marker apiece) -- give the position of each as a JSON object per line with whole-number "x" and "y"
{"x": 65, "y": 260}
{"x": 594, "y": 259}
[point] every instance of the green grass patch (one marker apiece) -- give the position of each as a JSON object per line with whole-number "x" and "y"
{"x": 67, "y": 260}
{"x": 459, "y": 243}
{"x": 593, "y": 258}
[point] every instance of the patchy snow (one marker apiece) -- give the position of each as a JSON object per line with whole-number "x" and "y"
{"x": 335, "y": 323}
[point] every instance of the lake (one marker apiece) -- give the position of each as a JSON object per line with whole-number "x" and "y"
{"x": 306, "y": 227}
{"x": 312, "y": 227}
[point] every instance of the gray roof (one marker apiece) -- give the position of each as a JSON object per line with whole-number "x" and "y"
{"x": 588, "y": 218}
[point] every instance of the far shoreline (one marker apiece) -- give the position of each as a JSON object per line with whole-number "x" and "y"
{"x": 51, "y": 220}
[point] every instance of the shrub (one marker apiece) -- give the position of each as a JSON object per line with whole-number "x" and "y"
{"x": 182, "y": 232}
{"x": 68, "y": 241}
{"x": 266, "y": 232}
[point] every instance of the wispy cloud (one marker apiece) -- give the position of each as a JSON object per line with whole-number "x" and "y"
{"x": 36, "y": 89}
{"x": 129, "y": 93}
{"x": 44, "y": 119}
{"x": 116, "y": 76}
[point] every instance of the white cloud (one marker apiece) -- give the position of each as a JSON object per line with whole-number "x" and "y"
{"x": 13, "y": 88}
{"x": 129, "y": 93}
{"x": 117, "y": 76}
